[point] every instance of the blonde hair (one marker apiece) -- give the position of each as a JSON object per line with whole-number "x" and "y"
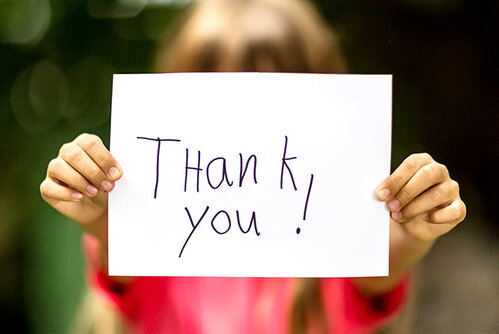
{"x": 250, "y": 35}
{"x": 96, "y": 315}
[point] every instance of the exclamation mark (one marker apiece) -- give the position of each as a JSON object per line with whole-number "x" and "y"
{"x": 298, "y": 230}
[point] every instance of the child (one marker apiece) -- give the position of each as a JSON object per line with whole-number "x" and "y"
{"x": 254, "y": 35}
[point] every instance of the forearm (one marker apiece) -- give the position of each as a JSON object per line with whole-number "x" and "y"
{"x": 405, "y": 252}
{"x": 97, "y": 228}
{"x": 424, "y": 203}
{"x": 98, "y": 231}
{"x": 103, "y": 266}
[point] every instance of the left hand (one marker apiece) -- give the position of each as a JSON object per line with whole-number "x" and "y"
{"x": 422, "y": 197}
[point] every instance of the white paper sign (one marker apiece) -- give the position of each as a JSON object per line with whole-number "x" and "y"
{"x": 250, "y": 174}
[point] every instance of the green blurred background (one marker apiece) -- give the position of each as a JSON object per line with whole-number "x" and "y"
{"x": 56, "y": 62}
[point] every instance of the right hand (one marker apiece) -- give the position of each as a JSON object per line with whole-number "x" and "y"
{"x": 78, "y": 182}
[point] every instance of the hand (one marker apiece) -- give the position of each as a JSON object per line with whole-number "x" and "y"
{"x": 78, "y": 182}
{"x": 422, "y": 197}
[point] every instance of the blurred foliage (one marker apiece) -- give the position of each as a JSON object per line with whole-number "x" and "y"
{"x": 56, "y": 62}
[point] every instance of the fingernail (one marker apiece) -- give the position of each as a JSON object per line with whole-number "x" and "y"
{"x": 91, "y": 190}
{"x": 397, "y": 216}
{"x": 384, "y": 194}
{"x": 77, "y": 196}
{"x": 426, "y": 217}
{"x": 393, "y": 205}
{"x": 106, "y": 185}
{"x": 114, "y": 173}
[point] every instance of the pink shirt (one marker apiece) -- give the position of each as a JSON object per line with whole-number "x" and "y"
{"x": 236, "y": 305}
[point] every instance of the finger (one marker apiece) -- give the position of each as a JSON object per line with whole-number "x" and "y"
{"x": 425, "y": 178}
{"x": 424, "y": 231}
{"x": 392, "y": 184}
{"x": 51, "y": 190}
{"x": 60, "y": 170}
{"x": 431, "y": 199}
{"x": 451, "y": 214}
{"x": 95, "y": 148}
{"x": 77, "y": 158}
